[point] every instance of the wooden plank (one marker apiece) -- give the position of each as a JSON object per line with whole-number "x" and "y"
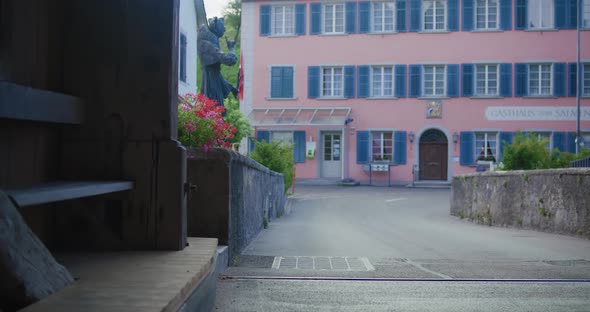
{"x": 59, "y": 191}
{"x": 132, "y": 281}
{"x": 25, "y": 103}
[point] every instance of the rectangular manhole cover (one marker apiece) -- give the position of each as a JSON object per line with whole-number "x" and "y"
{"x": 323, "y": 263}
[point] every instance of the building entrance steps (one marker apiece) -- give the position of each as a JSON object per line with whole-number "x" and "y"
{"x": 140, "y": 280}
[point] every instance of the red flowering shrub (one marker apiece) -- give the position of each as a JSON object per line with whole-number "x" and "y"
{"x": 200, "y": 123}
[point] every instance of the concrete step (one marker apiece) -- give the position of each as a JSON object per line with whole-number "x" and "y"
{"x": 430, "y": 184}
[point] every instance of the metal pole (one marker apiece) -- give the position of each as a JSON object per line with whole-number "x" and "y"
{"x": 578, "y": 77}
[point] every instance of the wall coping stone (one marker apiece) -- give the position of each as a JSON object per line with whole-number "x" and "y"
{"x": 228, "y": 156}
{"x": 528, "y": 172}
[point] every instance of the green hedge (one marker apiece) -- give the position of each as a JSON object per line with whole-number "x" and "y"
{"x": 276, "y": 156}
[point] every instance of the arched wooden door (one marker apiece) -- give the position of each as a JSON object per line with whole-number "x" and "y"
{"x": 434, "y": 157}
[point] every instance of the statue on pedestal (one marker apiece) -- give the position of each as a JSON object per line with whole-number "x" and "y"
{"x": 213, "y": 85}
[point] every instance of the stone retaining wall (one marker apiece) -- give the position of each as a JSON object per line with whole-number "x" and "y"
{"x": 556, "y": 200}
{"x": 233, "y": 197}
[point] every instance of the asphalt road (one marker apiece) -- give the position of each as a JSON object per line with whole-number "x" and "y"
{"x": 410, "y": 255}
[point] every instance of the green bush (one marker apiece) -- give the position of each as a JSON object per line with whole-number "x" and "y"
{"x": 527, "y": 152}
{"x": 276, "y": 156}
{"x": 234, "y": 117}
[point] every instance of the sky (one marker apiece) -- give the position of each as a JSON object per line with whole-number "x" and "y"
{"x": 215, "y": 7}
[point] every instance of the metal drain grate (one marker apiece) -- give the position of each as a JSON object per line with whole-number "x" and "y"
{"x": 323, "y": 263}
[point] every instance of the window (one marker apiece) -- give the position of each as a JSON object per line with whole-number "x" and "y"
{"x": 382, "y": 146}
{"x": 435, "y": 15}
{"x": 281, "y": 82}
{"x": 540, "y": 13}
{"x": 486, "y": 14}
{"x": 332, "y": 82}
{"x": 586, "y": 81}
{"x": 540, "y": 79}
{"x": 383, "y": 16}
{"x": 544, "y": 136}
{"x": 586, "y": 14}
{"x": 486, "y": 145}
{"x": 333, "y": 18}
{"x": 382, "y": 81}
{"x": 282, "y": 20}
{"x": 486, "y": 80}
{"x": 285, "y": 137}
{"x": 182, "y": 61}
{"x": 434, "y": 80}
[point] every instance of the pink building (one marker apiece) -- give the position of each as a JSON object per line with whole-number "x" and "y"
{"x": 422, "y": 87}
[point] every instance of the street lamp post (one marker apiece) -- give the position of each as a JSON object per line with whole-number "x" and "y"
{"x": 579, "y": 77}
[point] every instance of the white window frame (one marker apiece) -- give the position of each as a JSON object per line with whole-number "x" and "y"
{"x": 487, "y": 15}
{"x": 283, "y": 132}
{"x": 334, "y": 17}
{"x": 487, "y": 87}
{"x": 436, "y": 9}
{"x": 382, "y": 146}
{"x": 394, "y": 19}
{"x": 586, "y": 14}
{"x": 284, "y": 31}
{"x": 332, "y": 82}
{"x": 494, "y": 148}
{"x": 540, "y": 80}
{"x": 434, "y": 94}
{"x": 382, "y": 88}
{"x": 540, "y": 15}
{"x": 585, "y": 79}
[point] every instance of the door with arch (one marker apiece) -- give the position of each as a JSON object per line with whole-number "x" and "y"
{"x": 434, "y": 155}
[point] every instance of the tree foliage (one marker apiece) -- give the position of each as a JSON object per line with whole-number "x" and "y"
{"x": 276, "y": 156}
{"x": 235, "y": 118}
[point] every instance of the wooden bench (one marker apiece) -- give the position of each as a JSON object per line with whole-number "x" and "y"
{"x": 61, "y": 191}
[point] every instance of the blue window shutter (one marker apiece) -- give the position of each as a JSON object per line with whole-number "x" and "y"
{"x": 364, "y": 17}
{"x": 467, "y": 149}
{"x": 452, "y": 80}
{"x": 315, "y": 21}
{"x": 571, "y": 14}
{"x": 362, "y": 147}
{"x": 399, "y": 148}
{"x": 571, "y": 142}
{"x": 521, "y": 70}
{"x": 300, "y": 19}
{"x": 467, "y": 15}
{"x": 415, "y": 80}
{"x": 467, "y": 79}
{"x": 313, "y": 82}
{"x": 263, "y": 135}
{"x": 252, "y": 145}
{"x": 505, "y": 139}
{"x": 559, "y": 141}
{"x": 559, "y": 79}
{"x": 363, "y": 81}
{"x": 453, "y": 15}
{"x": 276, "y": 82}
{"x": 506, "y": 80}
{"x": 415, "y": 15}
{"x": 572, "y": 79}
{"x": 265, "y": 20}
{"x": 521, "y": 18}
{"x": 350, "y": 17}
{"x": 401, "y": 25}
{"x": 400, "y": 81}
{"x": 287, "y": 82}
{"x": 560, "y": 8}
{"x": 506, "y": 14}
{"x": 299, "y": 148}
{"x": 349, "y": 85}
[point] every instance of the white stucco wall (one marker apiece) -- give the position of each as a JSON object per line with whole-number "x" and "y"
{"x": 188, "y": 27}
{"x": 248, "y": 33}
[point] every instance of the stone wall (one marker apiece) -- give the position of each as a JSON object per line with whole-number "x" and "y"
{"x": 556, "y": 200}
{"x": 232, "y": 197}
